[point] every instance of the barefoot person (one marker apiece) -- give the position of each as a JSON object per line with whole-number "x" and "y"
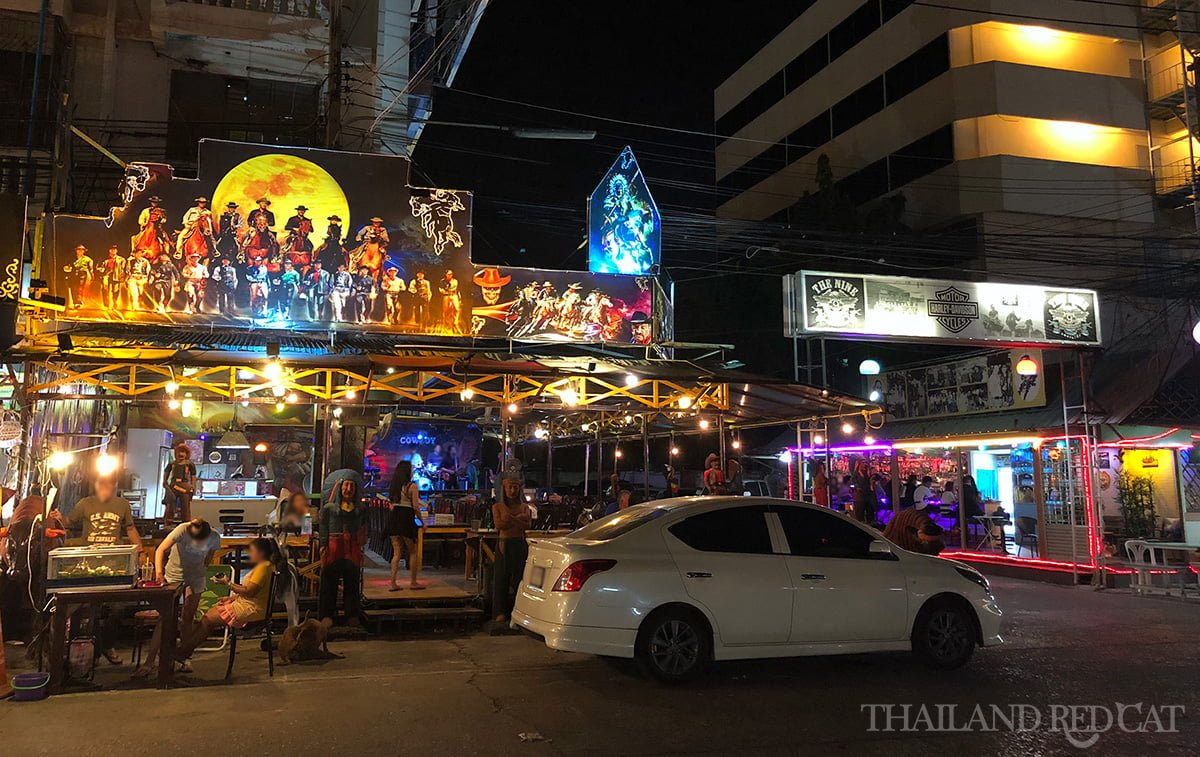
{"x": 248, "y": 602}
{"x": 182, "y": 557}
{"x": 402, "y": 522}
{"x": 513, "y": 518}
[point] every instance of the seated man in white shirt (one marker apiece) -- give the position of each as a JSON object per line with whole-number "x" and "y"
{"x": 923, "y": 493}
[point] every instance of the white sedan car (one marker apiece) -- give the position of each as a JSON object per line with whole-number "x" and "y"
{"x": 680, "y": 582}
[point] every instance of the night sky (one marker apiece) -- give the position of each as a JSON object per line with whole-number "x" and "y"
{"x": 647, "y": 63}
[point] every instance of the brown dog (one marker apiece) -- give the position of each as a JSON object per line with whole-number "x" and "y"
{"x": 306, "y": 641}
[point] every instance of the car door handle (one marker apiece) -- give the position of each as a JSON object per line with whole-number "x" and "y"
{"x": 813, "y": 576}
{"x": 697, "y": 574}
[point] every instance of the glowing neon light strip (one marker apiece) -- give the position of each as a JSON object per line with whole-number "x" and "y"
{"x": 843, "y": 448}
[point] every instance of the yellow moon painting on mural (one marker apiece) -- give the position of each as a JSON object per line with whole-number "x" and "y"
{"x": 287, "y": 181}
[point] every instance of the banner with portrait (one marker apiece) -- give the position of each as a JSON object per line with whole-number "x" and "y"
{"x": 982, "y": 384}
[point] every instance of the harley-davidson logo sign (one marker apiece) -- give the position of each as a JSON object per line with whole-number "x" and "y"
{"x": 953, "y": 309}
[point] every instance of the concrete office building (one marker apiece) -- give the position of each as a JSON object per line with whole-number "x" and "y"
{"x": 148, "y": 78}
{"x": 1022, "y": 122}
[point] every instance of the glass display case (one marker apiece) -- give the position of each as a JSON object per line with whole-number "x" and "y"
{"x": 112, "y": 566}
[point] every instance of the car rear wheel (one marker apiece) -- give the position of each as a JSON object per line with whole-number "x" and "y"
{"x": 944, "y": 635}
{"x": 674, "y": 644}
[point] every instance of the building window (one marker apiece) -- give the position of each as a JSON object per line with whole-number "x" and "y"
{"x": 859, "y": 106}
{"x": 809, "y": 137}
{"x": 866, "y": 183}
{"x": 854, "y": 29}
{"x": 807, "y": 64}
{"x": 252, "y": 110}
{"x": 767, "y": 163}
{"x": 922, "y": 157}
{"x": 917, "y": 69}
{"x": 756, "y": 103}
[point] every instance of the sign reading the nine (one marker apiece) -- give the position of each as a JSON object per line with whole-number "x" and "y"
{"x": 947, "y": 311}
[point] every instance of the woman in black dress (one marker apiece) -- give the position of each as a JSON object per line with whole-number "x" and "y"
{"x": 402, "y": 522}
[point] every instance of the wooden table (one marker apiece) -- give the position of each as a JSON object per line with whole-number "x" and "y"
{"x": 459, "y": 530}
{"x": 236, "y": 545}
{"x": 162, "y": 598}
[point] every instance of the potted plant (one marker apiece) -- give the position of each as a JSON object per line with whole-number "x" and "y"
{"x": 1135, "y": 494}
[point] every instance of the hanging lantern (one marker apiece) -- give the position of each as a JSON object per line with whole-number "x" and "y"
{"x": 1026, "y": 366}
{"x": 869, "y": 367}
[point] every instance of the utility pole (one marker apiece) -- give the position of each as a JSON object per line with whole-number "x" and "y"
{"x": 333, "y": 105}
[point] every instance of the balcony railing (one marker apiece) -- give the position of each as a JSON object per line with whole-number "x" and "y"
{"x": 1173, "y": 177}
{"x": 1165, "y": 84}
{"x": 303, "y": 8}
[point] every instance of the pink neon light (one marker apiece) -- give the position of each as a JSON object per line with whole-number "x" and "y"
{"x": 1138, "y": 440}
{"x": 843, "y": 448}
{"x": 1037, "y": 563}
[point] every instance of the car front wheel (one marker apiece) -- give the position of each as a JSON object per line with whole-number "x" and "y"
{"x": 944, "y": 636}
{"x": 674, "y": 645}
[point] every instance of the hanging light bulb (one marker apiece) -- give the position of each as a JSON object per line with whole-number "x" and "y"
{"x": 585, "y": 427}
{"x": 631, "y": 380}
{"x": 703, "y": 423}
{"x": 351, "y": 394}
{"x": 106, "y": 464}
{"x": 188, "y": 405}
{"x": 618, "y": 453}
{"x": 847, "y": 428}
{"x": 1026, "y": 366}
{"x": 674, "y": 450}
{"x": 279, "y": 406}
{"x": 245, "y": 403}
{"x": 628, "y": 418}
{"x": 337, "y": 412}
{"x": 685, "y": 402}
{"x": 869, "y": 367}
{"x": 467, "y": 393}
{"x": 292, "y": 398}
{"x": 570, "y": 397}
{"x": 736, "y": 444}
{"x": 172, "y": 387}
{"x": 818, "y": 439}
{"x": 868, "y": 440}
{"x": 273, "y": 370}
{"x": 875, "y": 396}
{"x": 260, "y": 447}
{"x": 390, "y": 370}
{"x": 59, "y": 459}
{"x": 279, "y": 390}
{"x": 173, "y": 404}
{"x": 513, "y": 408}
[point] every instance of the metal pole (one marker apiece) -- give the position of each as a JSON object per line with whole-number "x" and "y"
{"x": 962, "y": 510}
{"x": 799, "y": 463}
{"x": 31, "y": 131}
{"x": 645, "y": 461}
{"x": 550, "y": 460}
{"x": 599, "y": 462}
{"x": 1070, "y": 487}
{"x": 333, "y": 87}
{"x": 721, "y": 441}
{"x": 587, "y": 466}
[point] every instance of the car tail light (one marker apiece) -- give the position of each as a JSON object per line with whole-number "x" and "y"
{"x": 577, "y": 573}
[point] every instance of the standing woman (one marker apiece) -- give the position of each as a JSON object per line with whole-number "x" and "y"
{"x": 402, "y": 522}
{"x": 513, "y": 518}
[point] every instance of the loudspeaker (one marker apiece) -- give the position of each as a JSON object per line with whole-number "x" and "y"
{"x": 64, "y": 343}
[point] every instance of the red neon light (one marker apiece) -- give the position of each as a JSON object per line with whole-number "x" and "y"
{"x": 1037, "y": 563}
{"x": 1138, "y": 440}
{"x": 791, "y": 480}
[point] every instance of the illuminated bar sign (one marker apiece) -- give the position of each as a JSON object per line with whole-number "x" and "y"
{"x": 856, "y": 305}
{"x": 624, "y": 225}
{"x": 316, "y": 240}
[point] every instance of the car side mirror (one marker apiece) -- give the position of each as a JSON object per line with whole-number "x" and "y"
{"x": 879, "y": 547}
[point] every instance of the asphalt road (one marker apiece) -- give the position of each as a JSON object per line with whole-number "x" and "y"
{"x": 476, "y": 694}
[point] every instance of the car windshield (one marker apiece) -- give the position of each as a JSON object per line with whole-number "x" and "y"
{"x": 618, "y": 523}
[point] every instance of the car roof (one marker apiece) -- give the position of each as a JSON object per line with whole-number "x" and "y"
{"x": 683, "y": 505}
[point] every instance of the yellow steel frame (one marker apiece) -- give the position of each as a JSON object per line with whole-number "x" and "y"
{"x": 327, "y": 384}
